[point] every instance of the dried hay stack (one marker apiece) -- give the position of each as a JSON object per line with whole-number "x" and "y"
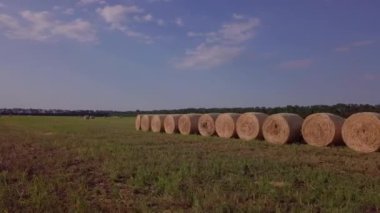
{"x": 322, "y": 129}
{"x": 282, "y": 128}
{"x": 361, "y": 132}
{"x": 225, "y": 125}
{"x": 249, "y": 125}
{"x": 171, "y": 124}
{"x": 188, "y": 124}
{"x": 138, "y": 122}
{"x": 206, "y": 124}
{"x": 145, "y": 123}
{"x": 157, "y": 123}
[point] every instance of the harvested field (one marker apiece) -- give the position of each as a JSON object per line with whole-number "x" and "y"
{"x": 54, "y": 164}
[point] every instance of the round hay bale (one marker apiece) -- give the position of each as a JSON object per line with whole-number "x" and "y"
{"x": 249, "y": 125}
{"x": 157, "y": 123}
{"x": 138, "y": 122}
{"x": 206, "y": 124}
{"x": 225, "y": 125}
{"x": 322, "y": 129}
{"x": 282, "y": 128}
{"x": 171, "y": 124}
{"x": 188, "y": 124}
{"x": 361, "y": 132}
{"x": 145, "y": 123}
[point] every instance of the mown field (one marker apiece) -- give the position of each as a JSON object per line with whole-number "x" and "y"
{"x": 65, "y": 164}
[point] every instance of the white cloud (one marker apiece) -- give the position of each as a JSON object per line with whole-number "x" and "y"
{"x": 141, "y": 36}
{"x": 220, "y": 46}
{"x": 7, "y": 21}
{"x": 69, "y": 11}
{"x": 362, "y": 43}
{"x": 77, "y": 30}
{"x": 179, "y": 22}
{"x": 56, "y": 7}
{"x": 343, "y": 49}
{"x": 236, "y": 32}
{"x": 194, "y": 34}
{"x": 87, "y": 2}
{"x": 144, "y": 18}
{"x": 160, "y": 22}
{"x": 148, "y": 17}
{"x": 40, "y": 22}
{"x": 42, "y": 26}
{"x": 118, "y": 17}
{"x": 238, "y": 16}
{"x": 353, "y": 45}
{"x": 297, "y": 64}
{"x": 205, "y": 56}
{"x": 65, "y": 11}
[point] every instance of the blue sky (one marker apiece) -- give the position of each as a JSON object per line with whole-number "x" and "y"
{"x": 165, "y": 54}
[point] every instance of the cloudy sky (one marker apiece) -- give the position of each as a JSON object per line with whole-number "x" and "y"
{"x": 159, "y": 54}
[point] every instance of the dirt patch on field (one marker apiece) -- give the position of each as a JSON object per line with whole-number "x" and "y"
{"x": 28, "y": 170}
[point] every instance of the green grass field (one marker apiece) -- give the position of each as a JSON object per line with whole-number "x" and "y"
{"x": 70, "y": 164}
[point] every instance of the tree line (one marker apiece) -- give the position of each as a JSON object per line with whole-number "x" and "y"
{"x": 343, "y": 110}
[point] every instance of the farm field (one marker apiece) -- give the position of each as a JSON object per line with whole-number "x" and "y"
{"x": 71, "y": 164}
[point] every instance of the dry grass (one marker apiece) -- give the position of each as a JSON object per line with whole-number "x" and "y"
{"x": 71, "y": 165}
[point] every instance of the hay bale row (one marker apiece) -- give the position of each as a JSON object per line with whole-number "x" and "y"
{"x": 323, "y": 129}
{"x": 249, "y": 125}
{"x": 282, "y": 128}
{"x": 138, "y": 122}
{"x": 171, "y": 124}
{"x": 157, "y": 123}
{"x": 145, "y": 123}
{"x": 360, "y": 132}
{"x": 206, "y": 124}
{"x": 188, "y": 124}
{"x": 225, "y": 125}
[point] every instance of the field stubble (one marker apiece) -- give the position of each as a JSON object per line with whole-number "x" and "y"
{"x": 71, "y": 164}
